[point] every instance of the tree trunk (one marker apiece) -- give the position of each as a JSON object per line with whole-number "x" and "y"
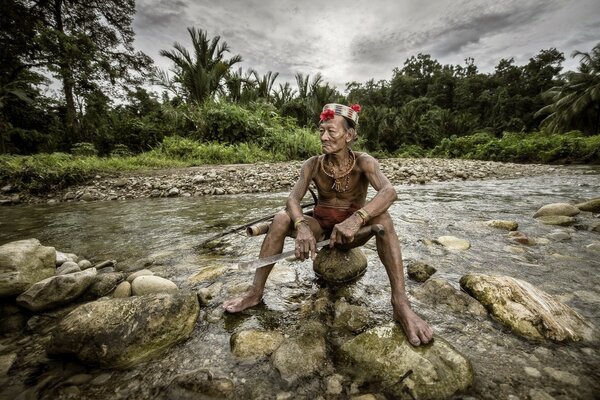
{"x": 67, "y": 78}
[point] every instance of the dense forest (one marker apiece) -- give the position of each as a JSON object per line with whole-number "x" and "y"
{"x": 211, "y": 110}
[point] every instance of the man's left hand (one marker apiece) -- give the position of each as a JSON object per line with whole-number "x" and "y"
{"x": 344, "y": 232}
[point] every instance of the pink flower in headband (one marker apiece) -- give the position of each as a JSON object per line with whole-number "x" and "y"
{"x": 356, "y": 107}
{"x": 327, "y": 114}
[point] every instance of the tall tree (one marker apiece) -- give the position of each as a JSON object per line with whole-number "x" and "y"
{"x": 576, "y": 103}
{"x": 201, "y": 74}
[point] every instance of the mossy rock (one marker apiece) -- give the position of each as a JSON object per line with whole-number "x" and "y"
{"x": 340, "y": 266}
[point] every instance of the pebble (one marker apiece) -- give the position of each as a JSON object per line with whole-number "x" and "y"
{"x": 532, "y": 372}
{"x": 101, "y": 379}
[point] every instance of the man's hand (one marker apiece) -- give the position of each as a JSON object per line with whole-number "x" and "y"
{"x": 306, "y": 245}
{"x": 344, "y": 232}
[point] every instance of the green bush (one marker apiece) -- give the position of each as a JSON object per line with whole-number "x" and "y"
{"x": 84, "y": 149}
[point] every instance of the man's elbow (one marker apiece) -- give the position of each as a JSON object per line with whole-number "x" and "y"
{"x": 392, "y": 193}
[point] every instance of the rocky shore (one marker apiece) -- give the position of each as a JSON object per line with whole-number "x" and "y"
{"x": 262, "y": 177}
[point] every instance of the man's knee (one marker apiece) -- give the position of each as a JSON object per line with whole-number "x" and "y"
{"x": 281, "y": 222}
{"x": 384, "y": 219}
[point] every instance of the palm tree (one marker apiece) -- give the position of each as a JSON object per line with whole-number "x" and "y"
{"x": 576, "y": 103}
{"x": 265, "y": 84}
{"x": 202, "y": 74}
{"x": 284, "y": 95}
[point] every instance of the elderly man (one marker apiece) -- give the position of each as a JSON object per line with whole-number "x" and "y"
{"x": 342, "y": 178}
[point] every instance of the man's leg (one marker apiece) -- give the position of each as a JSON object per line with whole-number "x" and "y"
{"x": 273, "y": 244}
{"x": 388, "y": 248}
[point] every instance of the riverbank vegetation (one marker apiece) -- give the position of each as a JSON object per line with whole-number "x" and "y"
{"x": 109, "y": 116}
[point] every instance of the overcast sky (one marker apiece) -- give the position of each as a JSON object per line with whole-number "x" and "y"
{"x": 360, "y": 40}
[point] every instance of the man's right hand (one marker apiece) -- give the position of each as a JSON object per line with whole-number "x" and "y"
{"x": 306, "y": 245}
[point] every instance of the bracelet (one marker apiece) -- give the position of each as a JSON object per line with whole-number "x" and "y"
{"x": 362, "y": 213}
{"x": 299, "y": 221}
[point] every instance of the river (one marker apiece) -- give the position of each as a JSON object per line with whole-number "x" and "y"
{"x": 169, "y": 231}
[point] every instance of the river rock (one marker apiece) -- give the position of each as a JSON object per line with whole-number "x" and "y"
{"x": 56, "y": 290}
{"x": 6, "y": 361}
{"x": 151, "y": 284}
{"x": 527, "y": 310}
{"x": 454, "y": 243}
{"x": 302, "y": 355}
{"x": 209, "y": 273}
{"x": 103, "y": 285}
{"x": 122, "y": 290}
{"x": 199, "y": 384}
{"x": 339, "y": 266}
{"x": 12, "y": 317}
{"x": 84, "y": 264}
{"x": 120, "y": 333}
{"x": 23, "y": 263}
{"x": 560, "y": 220}
{"x": 350, "y": 317}
{"x": 142, "y": 272}
{"x": 592, "y": 205}
{"x": 68, "y": 267}
{"x": 439, "y": 292}
{"x": 520, "y": 237}
{"x": 503, "y": 224}
{"x": 595, "y": 247}
{"x": 564, "y": 209}
{"x": 558, "y": 236}
{"x": 419, "y": 271}
{"x": 62, "y": 258}
{"x": 383, "y": 356}
{"x": 255, "y": 344}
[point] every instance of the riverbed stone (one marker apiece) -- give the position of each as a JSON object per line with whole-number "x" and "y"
{"x": 62, "y": 257}
{"x": 527, "y": 310}
{"x": 84, "y": 264}
{"x": 350, "y": 317}
{"x": 120, "y": 333}
{"x": 301, "y": 355}
{"x": 441, "y": 294}
{"x": 103, "y": 285}
{"x": 594, "y": 247}
{"x": 454, "y": 243}
{"x": 419, "y": 271}
{"x": 122, "y": 290}
{"x": 200, "y": 384}
{"x": 559, "y": 220}
{"x": 339, "y": 266}
{"x": 57, "y": 290}
{"x": 558, "y": 236}
{"x": 151, "y": 284}
{"x": 23, "y": 263}
{"x": 521, "y": 238}
{"x": 592, "y": 205}
{"x": 383, "y": 356}
{"x": 563, "y": 209}
{"x": 254, "y": 344}
{"x": 503, "y": 224}
{"x": 6, "y": 361}
{"x": 209, "y": 273}
{"x": 68, "y": 268}
{"x": 142, "y": 272}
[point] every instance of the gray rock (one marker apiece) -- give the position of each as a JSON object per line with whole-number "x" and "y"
{"x": 143, "y": 272}
{"x": 120, "y": 333}
{"x": 527, "y": 310}
{"x": 560, "y": 220}
{"x": 122, "y": 290}
{"x": 592, "y": 205}
{"x": 442, "y": 294}
{"x": 103, "y": 285}
{"x": 558, "y": 236}
{"x": 121, "y": 182}
{"x": 200, "y": 384}
{"x": 6, "y": 361}
{"x": 56, "y": 290}
{"x": 383, "y": 356}
{"x": 339, "y": 266}
{"x": 62, "y": 258}
{"x": 503, "y": 224}
{"x": 105, "y": 264}
{"x": 173, "y": 192}
{"x": 151, "y": 284}
{"x": 594, "y": 247}
{"x": 454, "y": 243}
{"x": 351, "y": 317}
{"x": 87, "y": 196}
{"x": 23, "y": 263}
{"x": 254, "y": 344}
{"x": 67, "y": 268}
{"x": 84, "y": 264}
{"x": 302, "y": 355}
{"x": 563, "y": 209}
{"x": 419, "y": 271}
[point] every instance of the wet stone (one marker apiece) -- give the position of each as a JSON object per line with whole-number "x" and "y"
{"x": 419, "y": 271}
{"x": 340, "y": 266}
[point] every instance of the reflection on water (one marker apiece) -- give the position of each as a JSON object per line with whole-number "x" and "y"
{"x": 170, "y": 229}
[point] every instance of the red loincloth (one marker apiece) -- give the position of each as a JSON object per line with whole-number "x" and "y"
{"x": 327, "y": 217}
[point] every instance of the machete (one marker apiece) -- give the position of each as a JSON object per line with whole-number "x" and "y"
{"x": 375, "y": 229}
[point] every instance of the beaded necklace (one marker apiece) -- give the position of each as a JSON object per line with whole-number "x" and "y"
{"x": 337, "y": 179}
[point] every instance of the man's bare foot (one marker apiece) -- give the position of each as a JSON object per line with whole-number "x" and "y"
{"x": 240, "y": 303}
{"x": 417, "y": 331}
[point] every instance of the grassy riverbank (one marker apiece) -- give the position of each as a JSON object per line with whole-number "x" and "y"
{"x": 44, "y": 172}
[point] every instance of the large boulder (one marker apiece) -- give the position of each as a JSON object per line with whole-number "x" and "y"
{"x": 301, "y": 355}
{"x": 23, "y": 263}
{"x": 527, "y": 310}
{"x": 440, "y": 293}
{"x": 592, "y": 205}
{"x": 383, "y": 356}
{"x": 255, "y": 344}
{"x": 339, "y": 266}
{"x": 56, "y": 290}
{"x": 568, "y": 210}
{"x": 120, "y": 333}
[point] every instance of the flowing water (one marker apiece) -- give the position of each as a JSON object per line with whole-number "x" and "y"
{"x": 169, "y": 231}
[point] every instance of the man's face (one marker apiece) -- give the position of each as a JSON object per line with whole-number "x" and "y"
{"x": 334, "y": 136}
